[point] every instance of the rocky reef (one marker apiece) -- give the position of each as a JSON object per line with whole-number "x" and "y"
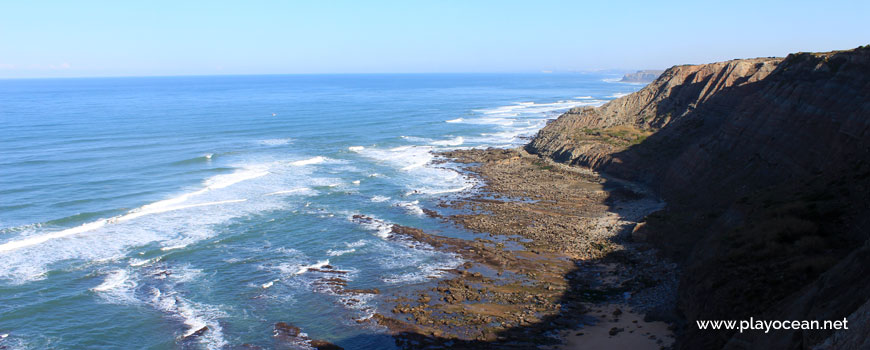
{"x": 765, "y": 167}
{"x": 548, "y": 266}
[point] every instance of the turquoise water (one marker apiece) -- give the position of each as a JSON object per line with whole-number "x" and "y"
{"x": 135, "y": 211}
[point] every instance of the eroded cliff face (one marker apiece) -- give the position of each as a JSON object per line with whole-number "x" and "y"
{"x": 588, "y": 136}
{"x": 765, "y": 165}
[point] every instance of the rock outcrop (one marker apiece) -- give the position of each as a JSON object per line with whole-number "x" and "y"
{"x": 765, "y": 165}
{"x": 641, "y": 76}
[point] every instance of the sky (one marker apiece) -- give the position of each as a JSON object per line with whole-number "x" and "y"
{"x": 154, "y": 38}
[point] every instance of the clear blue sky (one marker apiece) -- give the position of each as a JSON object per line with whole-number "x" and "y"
{"x": 124, "y": 38}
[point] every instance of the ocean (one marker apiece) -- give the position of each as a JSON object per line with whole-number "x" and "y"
{"x": 136, "y": 211}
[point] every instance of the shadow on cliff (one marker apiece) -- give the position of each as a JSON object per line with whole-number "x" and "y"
{"x": 767, "y": 186}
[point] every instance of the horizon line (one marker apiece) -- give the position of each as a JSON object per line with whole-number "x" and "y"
{"x": 614, "y": 71}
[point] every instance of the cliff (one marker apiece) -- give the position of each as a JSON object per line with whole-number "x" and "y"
{"x": 641, "y": 76}
{"x": 589, "y": 136}
{"x": 765, "y": 165}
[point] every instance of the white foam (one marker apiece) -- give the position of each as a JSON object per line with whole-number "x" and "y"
{"x": 440, "y": 191}
{"x": 356, "y": 244}
{"x": 269, "y": 284}
{"x": 339, "y": 252}
{"x": 514, "y": 123}
{"x": 359, "y": 302}
{"x": 300, "y": 190}
{"x": 457, "y": 120}
{"x": 442, "y": 181}
{"x": 419, "y": 263}
{"x": 178, "y": 221}
{"x": 14, "y": 245}
{"x": 355, "y": 148}
{"x": 286, "y": 264}
{"x": 113, "y": 280}
{"x": 619, "y": 94}
{"x": 224, "y": 181}
{"x": 309, "y": 161}
{"x": 528, "y": 109}
{"x": 382, "y": 228}
{"x": 194, "y": 315}
{"x": 287, "y": 251}
{"x": 456, "y": 141}
{"x": 275, "y": 142}
{"x": 424, "y": 272}
{"x": 419, "y": 164}
{"x": 209, "y": 155}
{"x": 154, "y": 208}
{"x": 421, "y": 175}
{"x": 173, "y": 247}
{"x": 143, "y": 262}
{"x": 415, "y": 139}
{"x": 318, "y": 265}
{"x": 117, "y": 287}
{"x": 503, "y": 119}
{"x": 407, "y": 158}
{"x": 378, "y": 199}
{"x": 184, "y": 274}
{"x": 502, "y": 110}
{"x": 411, "y": 207}
{"x": 355, "y": 182}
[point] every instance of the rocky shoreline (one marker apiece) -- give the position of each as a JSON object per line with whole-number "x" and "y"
{"x": 558, "y": 269}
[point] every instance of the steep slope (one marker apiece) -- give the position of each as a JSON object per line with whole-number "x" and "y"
{"x": 765, "y": 164}
{"x": 587, "y": 136}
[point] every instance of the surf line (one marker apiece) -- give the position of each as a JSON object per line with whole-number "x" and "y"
{"x": 14, "y": 245}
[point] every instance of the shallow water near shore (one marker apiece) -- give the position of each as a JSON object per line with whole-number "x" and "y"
{"x": 136, "y": 211}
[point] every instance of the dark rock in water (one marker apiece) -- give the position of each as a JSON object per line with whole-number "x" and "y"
{"x": 362, "y": 291}
{"x": 290, "y": 336}
{"x": 283, "y": 329}
{"x": 198, "y": 333}
{"x": 614, "y": 331}
{"x": 362, "y": 218}
{"x": 324, "y": 345}
{"x": 431, "y": 213}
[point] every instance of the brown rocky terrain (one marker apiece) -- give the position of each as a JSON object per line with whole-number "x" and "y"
{"x": 552, "y": 262}
{"x": 765, "y": 167}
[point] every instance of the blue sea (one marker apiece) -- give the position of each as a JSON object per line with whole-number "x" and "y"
{"x": 136, "y": 211}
